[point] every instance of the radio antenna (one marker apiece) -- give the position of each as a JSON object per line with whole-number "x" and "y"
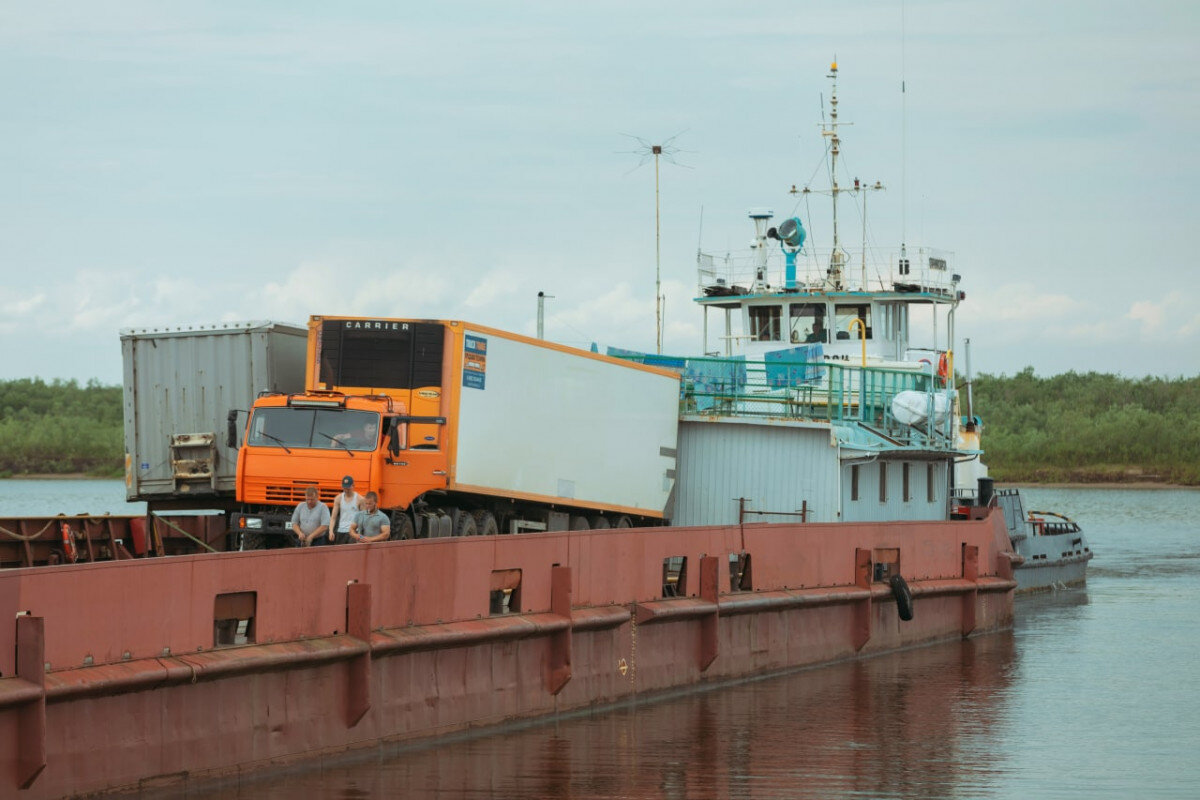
{"x": 903, "y": 145}
{"x": 647, "y": 151}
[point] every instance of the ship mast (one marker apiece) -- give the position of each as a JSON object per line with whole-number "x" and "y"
{"x": 837, "y": 259}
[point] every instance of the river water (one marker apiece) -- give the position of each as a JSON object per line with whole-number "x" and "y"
{"x": 1094, "y": 694}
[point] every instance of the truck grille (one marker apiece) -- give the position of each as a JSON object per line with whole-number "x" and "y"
{"x": 294, "y": 493}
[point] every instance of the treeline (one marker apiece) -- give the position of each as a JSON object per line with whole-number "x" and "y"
{"x": 1089, "y": 428}
{"x": 60, "y": 427}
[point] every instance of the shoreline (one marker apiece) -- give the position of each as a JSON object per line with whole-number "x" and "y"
{"x": 61, "y": 476}
{"x": 1094, "y": 485}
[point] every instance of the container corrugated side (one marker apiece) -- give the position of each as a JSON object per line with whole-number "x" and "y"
{"x": 775, "y": 467}
{"x": 185, "y": 381}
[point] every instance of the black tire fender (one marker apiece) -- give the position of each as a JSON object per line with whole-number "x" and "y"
{"x": 903, "y": 595}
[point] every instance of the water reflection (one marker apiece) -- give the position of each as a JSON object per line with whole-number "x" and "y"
{"x": 918, "y": 724}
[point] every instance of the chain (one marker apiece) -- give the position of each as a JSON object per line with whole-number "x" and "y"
{"x": 633, "y": 647}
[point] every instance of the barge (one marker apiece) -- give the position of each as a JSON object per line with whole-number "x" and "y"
{"x": 136, "y": 673}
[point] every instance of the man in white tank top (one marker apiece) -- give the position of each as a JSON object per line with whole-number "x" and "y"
{"x": 345, "y": 509}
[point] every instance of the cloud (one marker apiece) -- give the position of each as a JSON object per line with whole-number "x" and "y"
{"x": 1173, "y": 316}
{"x": 494, "y": 286}
{"x": 1151, "y": 315}
{"x": 23, "y": 306}
{"x": 1024, "y": 302}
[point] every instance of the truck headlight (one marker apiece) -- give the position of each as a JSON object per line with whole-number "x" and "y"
{"x": 254, "y": 523}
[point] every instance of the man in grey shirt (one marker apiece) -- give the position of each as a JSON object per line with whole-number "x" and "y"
{"x": 310, "y": 520}
{"x": 371, "y": 524}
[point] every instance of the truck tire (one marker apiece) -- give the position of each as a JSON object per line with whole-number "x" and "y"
{"x": 623, "y": 522}
{"x": 402, "y": 526}
{"x": 485, "y": 523}
{"x": 579, "y": 523}
{"x": 465, "y": 525}
{"x": 252, "y": 540}
{"x": 599, "y": 522}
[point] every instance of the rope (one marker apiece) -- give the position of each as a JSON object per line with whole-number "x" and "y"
{"x": 29, "y": 538}
{"x": 155, "y": 518}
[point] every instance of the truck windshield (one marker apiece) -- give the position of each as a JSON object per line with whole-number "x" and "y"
{"x": 321, "y": 428}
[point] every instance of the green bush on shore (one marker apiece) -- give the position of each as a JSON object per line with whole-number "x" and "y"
{"x": 1089, "y": 428}
{"x": 60, "y": 427}
{"x": 1066, "y": 428}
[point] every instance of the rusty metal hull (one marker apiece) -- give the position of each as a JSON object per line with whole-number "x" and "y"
{"x": 119, "y": 675}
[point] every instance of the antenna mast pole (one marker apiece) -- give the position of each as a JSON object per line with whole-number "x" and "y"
{"x": 835, "y": 145}
{"x": 657, "y": 151}
{"x": 903, "y": 148}
{"x": 837, "y": 258}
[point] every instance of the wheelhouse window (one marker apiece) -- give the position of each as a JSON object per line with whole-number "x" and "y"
{"x": 765, "y": 323}
{"x": 806, "y": 321}
{"x": 320, "y": 428}
{"x": 843, "y": 320}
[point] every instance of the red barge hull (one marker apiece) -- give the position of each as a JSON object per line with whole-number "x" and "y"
{"x": 131, "y": 674}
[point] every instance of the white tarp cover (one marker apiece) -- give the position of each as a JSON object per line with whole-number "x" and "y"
{"x": 912, "y": 408}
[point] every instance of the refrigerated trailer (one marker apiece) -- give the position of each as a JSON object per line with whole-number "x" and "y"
{"x": 477, "y": 430}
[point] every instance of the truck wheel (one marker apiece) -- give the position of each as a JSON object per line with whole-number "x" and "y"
{"x": 598, "y": 522}
{"x": 402, "y": 526}
{"x": 485, "y": 523}
{"x": 579, "y": 523}
{"x": 623, "y": 522}
{"x": 465, "y": 526}
{"x": 252, "y": 540}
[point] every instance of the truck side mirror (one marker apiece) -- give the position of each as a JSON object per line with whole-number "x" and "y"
{"x": 394, "y": 437}
{"x": 231, "y": 429}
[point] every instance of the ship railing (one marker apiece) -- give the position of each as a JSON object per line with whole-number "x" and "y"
{"x": 814, "y": 391}
{"x": 927, "y": 269}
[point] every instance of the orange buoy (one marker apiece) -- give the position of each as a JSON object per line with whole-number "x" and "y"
{"x": 68, "y": 543}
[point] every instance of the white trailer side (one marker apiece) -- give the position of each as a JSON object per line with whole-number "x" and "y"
{"x": 544, "y": 421}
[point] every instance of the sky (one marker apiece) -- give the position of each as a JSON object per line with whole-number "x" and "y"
{"x": 171, "y": 163}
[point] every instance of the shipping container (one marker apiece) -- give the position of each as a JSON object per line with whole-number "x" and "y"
{"x": 180, "y": 385}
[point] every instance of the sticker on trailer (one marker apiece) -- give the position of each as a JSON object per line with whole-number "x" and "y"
{"x": 474, "y": 361}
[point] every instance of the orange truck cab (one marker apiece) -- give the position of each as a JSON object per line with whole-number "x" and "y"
{"x": 318, "y": 438}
